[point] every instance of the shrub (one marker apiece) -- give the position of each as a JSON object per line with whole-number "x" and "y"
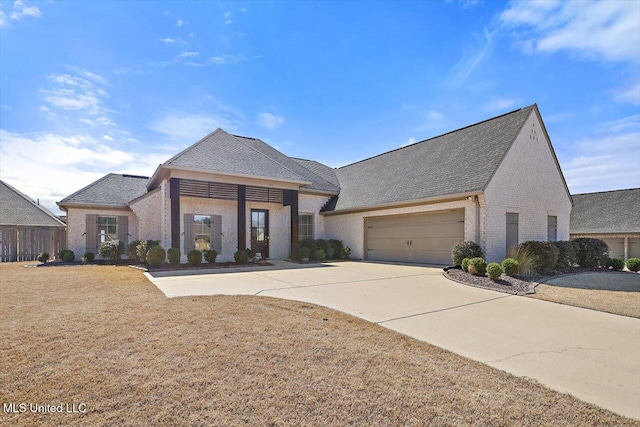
{"x": 143, "y": 248}
{"x": 62, "y": 252}
{"x": 43, "y": 257}
{"x": 156, "y": 256}
{"x": 304, "y": 252}
{"x": 590, "y": 252}
{"x": 477, "y": 266}
{"x": 525, "y": 261}
{"x": 337, "y": 247}
{"x": 112, "y": 250}
{"x": 174, "y": 255}
{"x": 545, "y": 255}
{"x": 68, "y": 256}
{"x": 311, "y": 244}
{"x": 614, "y": 263}
{"x": 510, "y": 266}
{"x": 633, "y": 264}
{"x": 241, "y": 257}
{"x": 194, "y": 257}
{"x": 210, "y": 255}
{"x": 465, "y": 264}
{"x": 250, "y": 254}
{"x": 566, "y": 254}
{"x": 89, "y": 257}
{"x": 465, "y": 250}
{"x": 320, "y": 255}
{"x": 331, "y": 252}
{"x": 494, "y": 270}
{"x": 132, "y": 250}
{"x": 345, "y": 253}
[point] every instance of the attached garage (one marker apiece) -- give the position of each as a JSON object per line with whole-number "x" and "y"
{"x": 420, "y": 238}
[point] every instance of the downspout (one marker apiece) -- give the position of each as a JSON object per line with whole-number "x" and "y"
{"x": 477, "y": 202}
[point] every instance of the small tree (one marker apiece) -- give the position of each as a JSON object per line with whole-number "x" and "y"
{"x": 465, "y": 250}
{"x": 112, "y": 250}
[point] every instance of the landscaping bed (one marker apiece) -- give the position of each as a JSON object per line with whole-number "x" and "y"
{"x": 507, "y": 284}
{"x": 108, "y": 338}
{"x": 217, "y": 265}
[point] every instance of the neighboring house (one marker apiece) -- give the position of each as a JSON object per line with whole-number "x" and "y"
{"x": 26, "y": 228}
{"x": 613, "y": 216}
{"x": 497, "y": 182}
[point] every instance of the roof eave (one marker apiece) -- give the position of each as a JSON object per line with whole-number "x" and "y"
{"x": 235, "y": 175}
{"x": 404, "y": 203}
{"x": 66, "y": 205}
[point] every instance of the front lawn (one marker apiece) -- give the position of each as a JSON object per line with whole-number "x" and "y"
{"x": 106, "y": 337}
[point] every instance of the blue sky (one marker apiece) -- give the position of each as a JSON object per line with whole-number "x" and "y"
{"x": 88, "y": 88}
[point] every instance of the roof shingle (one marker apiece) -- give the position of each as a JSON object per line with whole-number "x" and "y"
{"x": 17, "y": 208}
{"x": 110, "y": 190}
{"x": 606, "y": 212}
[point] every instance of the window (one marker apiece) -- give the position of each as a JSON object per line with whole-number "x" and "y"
{"x": 202, "y": 232}
{"x": 552, "y": 228}
{"x": 305, "y": 226}
{"x": 107, "y": 229}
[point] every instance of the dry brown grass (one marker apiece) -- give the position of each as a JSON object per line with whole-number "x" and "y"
{"x": 107, "y": 337}
{"x": 616, "y": 302}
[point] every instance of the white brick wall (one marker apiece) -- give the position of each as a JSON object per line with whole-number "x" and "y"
{"x": 310, "y": 203}
{"x": 527, "y": 182}
{"x": 349, "y": 228}
{"x": 77, "y": 222}
{"x": 149, "y": 213}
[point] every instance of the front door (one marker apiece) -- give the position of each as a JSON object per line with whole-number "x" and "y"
{"x": 260, "y": 232}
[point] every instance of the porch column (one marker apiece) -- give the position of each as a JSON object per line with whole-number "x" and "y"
{"x": 242, "y": 217}
{"x": 626, "y": 248}
{"x": 295, "y": 241}
{"x": 174, "y": 196}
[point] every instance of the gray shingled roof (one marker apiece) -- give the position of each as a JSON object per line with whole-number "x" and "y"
{"x": 222, "y": 152}
{"x": 457, "y": 162}
{"x": 17, "y": 208}
{"x": 323, "y": 171}
{"x": 110, "y": 190}
{"x": 606, "y": 212}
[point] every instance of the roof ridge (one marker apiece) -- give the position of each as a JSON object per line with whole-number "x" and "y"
{"x": 88, "y": 186}
{"x": 606, "y": 191}
{"x": 264, "y": 155}
{"x": 437, "y": 136}
{"x": 201, "y": 140}
{"x": 33, "y": 202}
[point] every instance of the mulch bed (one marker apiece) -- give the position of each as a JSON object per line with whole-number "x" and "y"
{"x": 507, "y": 284}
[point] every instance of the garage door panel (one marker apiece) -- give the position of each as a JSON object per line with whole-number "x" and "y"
{"x": 431, "y": 237}
{"x": 616, "y": 247}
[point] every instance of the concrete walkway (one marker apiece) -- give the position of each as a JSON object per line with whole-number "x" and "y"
{"x": 592, "y": 355}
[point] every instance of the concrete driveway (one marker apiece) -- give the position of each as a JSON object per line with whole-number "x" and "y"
{"x": 592, "y": 355}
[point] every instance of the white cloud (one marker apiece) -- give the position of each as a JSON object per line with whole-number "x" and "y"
{"x": 602, "y": 30}
{"x": 107, "y": 138}
{"x": 72, "y": 92}
{"x": 188, "y": 54}
{"x": 228, "y": 21}
{"x": 221, "y": 60}
{"x": 3, "y": 19}
{"x": 20, "y": 10}
{"x": 167, "y": 40}
{"x": 410, "y": 141}
{"x": 184, "y": 128}
{"x": 180, "y": 23}
{"x": 470, "y": 60}
{"x": 434, "y": 115}
{"x": 629, "y": 94}
{"x": 244, "y": 9}
{"x": 269, "y": 121}
{"x": 500, "y": 104}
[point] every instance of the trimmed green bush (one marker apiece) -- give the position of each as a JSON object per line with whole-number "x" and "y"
{"x": 62, "y": 252}
{"x": 210, "y": 255}
{"x": 143, "y": 248}
{"x": 545, "y": 255}
{"x": 331, "y": 252}
{"x": 320, "y": 255}
{"x": 194, "y": 257}
{"x": 345, "y": 253}
{"x": 89, "y": 257}
{"x": 174, "y": 255}
{"x": 241, "y": 257}
{"x": 43, "y": 257}
{"x": 69, "y": 256}
{"x": 614, "y": 263}
{"x": 304, "y": 252}
{"x": 131, "y": 250}
{"x": 477, "y": 266}
{"x": 465, "y": 265}
{"x": 112, "y": 250}
{"x": 590, "y": 252}
{"x": 337, "y": 247}
{"x": 633, "y": 264}
{"x": 157, "y": 255}
{"x": 494, "y": 270}
{"x": 510, "y": 266}
{"x": 465, "y": 250}
{"x": 566, "y": 254}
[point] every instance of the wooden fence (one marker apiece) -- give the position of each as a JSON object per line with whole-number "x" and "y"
{"x": 25, "y": 243}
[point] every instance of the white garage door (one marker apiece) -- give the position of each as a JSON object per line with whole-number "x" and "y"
{"x": 423, "y": 238}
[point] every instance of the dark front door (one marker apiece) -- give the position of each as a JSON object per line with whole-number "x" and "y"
{"x": 260, "y": 232}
